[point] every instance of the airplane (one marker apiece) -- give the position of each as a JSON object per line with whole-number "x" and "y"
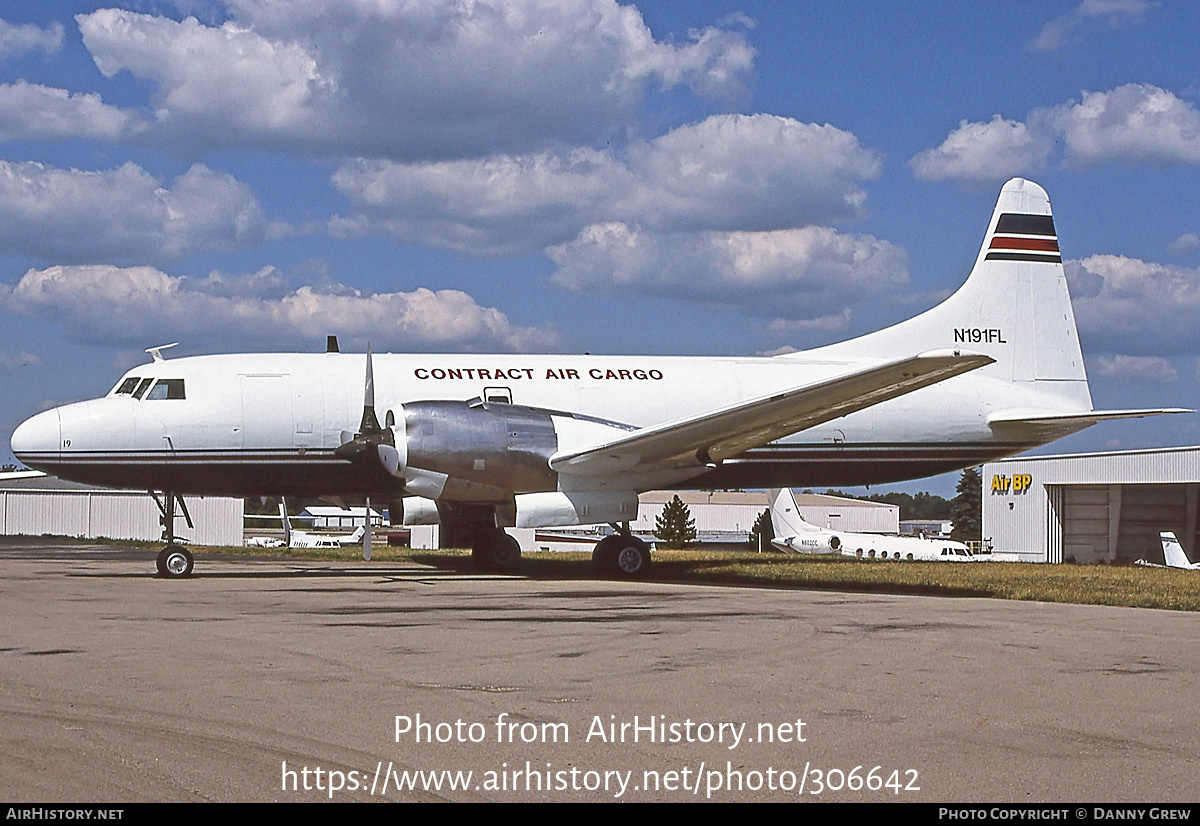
{"x": 294, "y": 538}
{"x": 795, "y": 535}
{"x": 558, "y": 440}
{"x": 1173, "y": 554}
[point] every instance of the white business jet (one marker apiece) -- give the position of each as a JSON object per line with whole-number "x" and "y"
{"x": 1173, "y": 554}
{"x": 795, "y": 535}
{"x": 555, "y": 440}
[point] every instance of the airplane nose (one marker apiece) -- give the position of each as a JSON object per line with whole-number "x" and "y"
{"x": 36, "y": 437}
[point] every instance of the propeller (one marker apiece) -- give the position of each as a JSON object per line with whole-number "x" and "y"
{"x": 373, "y": 442}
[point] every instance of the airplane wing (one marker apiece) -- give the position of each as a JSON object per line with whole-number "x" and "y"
{"x": 717, "y": 435}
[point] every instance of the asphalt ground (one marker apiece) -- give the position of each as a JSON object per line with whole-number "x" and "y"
{"x": 274, "y": 680}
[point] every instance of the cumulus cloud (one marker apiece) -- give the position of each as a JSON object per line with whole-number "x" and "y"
{"x": 983, "y": 152}
{"x": 1138, "y": 369}
{"x": 810, "y": 274}
{"x": 20, "y": 38}
{"x": 1062, "y": 30}
{"x": 1126, "y": 305}
{"x": 1135, "y": 123}
{"x": 728, "y": 172}
{"x": 409, "y": 80}
{"x": 132, "y": 305}
{"x": 28, "y": 110}
{"x": 1185, "y": 244}
{"x": 125, "y": 214}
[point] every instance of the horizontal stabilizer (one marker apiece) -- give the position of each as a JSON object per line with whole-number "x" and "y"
{"x": 1047, "y": 426}
{"x": 717, "y": 435}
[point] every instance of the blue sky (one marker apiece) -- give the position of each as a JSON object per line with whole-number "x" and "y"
{"x": 578, "y": 175}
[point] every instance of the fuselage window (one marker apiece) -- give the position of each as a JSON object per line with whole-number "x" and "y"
{"x": 126, "y": 387}
{"x": 167, "y": 389}
{"x": 142, "y": 388}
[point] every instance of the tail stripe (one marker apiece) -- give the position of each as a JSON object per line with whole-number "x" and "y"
{"x": 1043, "y": 245}
{"x": 1020, "y": 223}
{"x": 1023, "y": 256}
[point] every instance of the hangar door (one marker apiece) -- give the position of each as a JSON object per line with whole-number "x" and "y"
{"x": 1121, "y": 523}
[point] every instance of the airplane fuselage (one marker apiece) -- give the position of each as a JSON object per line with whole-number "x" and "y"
{"x": 268, "y": 424}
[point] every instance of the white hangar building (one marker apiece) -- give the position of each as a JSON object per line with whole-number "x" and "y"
{"x": 34, "y": 504}
{"x": 1091, "y": 507}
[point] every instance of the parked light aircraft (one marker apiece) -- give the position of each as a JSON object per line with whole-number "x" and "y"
{"x": 795, "y": 535}
{"x": 556, "y": 440}
{"x": 1173, "y": 554}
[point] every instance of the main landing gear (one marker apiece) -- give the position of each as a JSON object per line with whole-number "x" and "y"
{"x": 621, "y": 556}
{"x": 495, "y": 550}
{"x": 175, "y": 560}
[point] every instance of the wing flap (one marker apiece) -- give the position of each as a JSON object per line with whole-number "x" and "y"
{"x": 720, "y": 434}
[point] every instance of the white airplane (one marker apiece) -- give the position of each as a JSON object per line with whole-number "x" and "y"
{"x": 1173, "y": 554}
{"x": 794, "y": 535}
{"x": 306, "y": 539}
{"x": 557, "y": 440}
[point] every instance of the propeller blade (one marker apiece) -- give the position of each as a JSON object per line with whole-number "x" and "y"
{"x": 367, "y": 534}
{"x": 370, "y": 423}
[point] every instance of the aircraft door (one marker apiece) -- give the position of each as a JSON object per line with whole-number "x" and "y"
{"x": 267, "y": 420}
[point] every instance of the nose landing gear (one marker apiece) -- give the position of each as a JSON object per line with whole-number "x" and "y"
{"x": 173, "y": 561}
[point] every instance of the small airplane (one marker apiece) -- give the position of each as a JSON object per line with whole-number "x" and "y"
{"x": 1173, "y": 554}
{"x": 294, "y": 538}
{"x": 794, "y": 535}
{"x": 545, "y": 441}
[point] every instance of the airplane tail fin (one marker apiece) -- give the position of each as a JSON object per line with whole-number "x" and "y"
{"x": 1014, "y": 307}
{"x": 1173, "y": 552}
{"x": 357, "y": 535}
{"x": 785, "y": 515}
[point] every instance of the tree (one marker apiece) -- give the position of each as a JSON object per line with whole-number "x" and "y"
{"x": 675, "y": 525}
{"x": 967, "y": 507}
{"x": 763, "y": 532}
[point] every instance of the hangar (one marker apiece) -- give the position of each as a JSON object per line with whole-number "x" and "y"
{"x": 34, "y": 504}
{"x": 1090, "y": 508}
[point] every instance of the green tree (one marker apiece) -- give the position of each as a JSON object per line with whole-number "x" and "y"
{"x": 675, "y": 525}
{"x": 763, "y": 532}
{"x": 967, "y": 507}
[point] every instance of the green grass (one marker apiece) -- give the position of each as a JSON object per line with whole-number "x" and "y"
{"x": 1080, "y": 584}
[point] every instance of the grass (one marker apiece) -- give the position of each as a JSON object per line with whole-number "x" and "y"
{"x": 1134, "y": 587}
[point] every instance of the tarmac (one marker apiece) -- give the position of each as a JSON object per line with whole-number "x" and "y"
{"x": 274, "y": 680}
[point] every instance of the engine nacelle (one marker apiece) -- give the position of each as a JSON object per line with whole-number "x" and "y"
{"x": 417, "y": 510}
{"x": 473, "y": 451}
{"x": 557, "y": 508}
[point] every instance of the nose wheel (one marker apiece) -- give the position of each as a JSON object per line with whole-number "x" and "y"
{"x": 174, "y": 561}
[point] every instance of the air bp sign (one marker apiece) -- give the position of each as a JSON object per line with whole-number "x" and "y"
{"x": 1017, "y": 483}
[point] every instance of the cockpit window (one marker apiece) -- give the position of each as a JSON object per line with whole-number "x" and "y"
{"x": 142, "y": 388}
{"x": 126, "y": 387}
{"x": 166, "y": 389}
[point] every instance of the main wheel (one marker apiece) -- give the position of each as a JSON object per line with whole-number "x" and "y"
{"x": 626, "y": 557}
{"x": 496, "y": 551}
{"x": 175, "y": 561}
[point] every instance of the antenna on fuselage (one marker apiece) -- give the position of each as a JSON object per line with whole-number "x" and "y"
{"x": 156, "y": 352}
{"x": 331, "y": 344}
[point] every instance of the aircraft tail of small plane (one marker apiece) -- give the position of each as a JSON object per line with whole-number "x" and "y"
{"x": 785, "y": 515}
{"x": 1173, "y": 553}
{"x": 287, "y": 523}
